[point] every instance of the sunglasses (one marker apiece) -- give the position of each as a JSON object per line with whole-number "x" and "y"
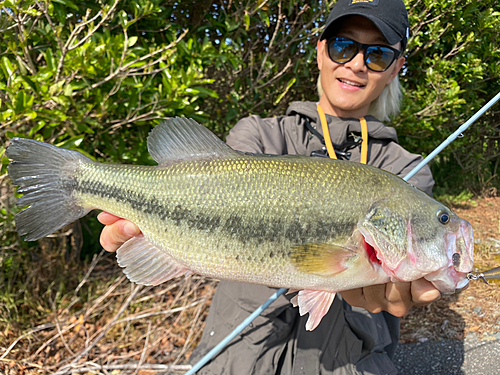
{"x": 377, "y": 57}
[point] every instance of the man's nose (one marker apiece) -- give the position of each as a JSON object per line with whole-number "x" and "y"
{"x": 357, "y": 64}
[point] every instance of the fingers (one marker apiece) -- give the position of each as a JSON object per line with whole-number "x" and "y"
{"x": 374, "y": 298}
{"x": 378, "y": 298}
{"x": 106, "y": 218}
{"x": 399, "y": 298}
{"x": 115, "y": 234}
{"x": 357, "y": 297}
{"x": 423, "y": 292}
{"x": 395, "y": 298}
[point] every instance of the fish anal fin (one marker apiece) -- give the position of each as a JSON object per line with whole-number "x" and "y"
{"x": 321, "y": 259}
{"x": 316, "y": 303}
{"x": 145, "y": 264}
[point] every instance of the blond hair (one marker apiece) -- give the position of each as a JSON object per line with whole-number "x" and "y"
{"x": 386, "y": 105}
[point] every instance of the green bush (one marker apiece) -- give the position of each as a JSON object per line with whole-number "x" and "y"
{"x": 92, "y": 77}
{"x": 97, "y": 75}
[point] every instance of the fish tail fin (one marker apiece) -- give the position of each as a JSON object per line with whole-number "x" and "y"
{"x": 45, "y": 176}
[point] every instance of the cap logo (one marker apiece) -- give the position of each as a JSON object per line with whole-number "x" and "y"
{"x": 371, "y": 2}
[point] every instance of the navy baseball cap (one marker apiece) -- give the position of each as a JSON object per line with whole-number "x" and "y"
{"x": 389, "y": 16}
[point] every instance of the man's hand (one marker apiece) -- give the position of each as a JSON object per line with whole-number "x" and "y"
{"x": 116, "y": 231}
{"x": 395, "y": 298}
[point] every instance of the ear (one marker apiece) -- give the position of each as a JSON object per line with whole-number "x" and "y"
{"x": 398, "y": 64}
{"x": 320, "y": 53}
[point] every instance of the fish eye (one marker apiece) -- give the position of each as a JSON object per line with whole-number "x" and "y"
{"x": 455, "y": 258}
{"x": 443, "y": 217}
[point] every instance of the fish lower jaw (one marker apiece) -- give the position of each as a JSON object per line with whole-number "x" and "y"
{"x": 462, "y": 284}
{"x": 448, "y": 280}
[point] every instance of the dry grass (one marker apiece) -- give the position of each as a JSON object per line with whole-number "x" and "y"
{"x": 108, "y": 324}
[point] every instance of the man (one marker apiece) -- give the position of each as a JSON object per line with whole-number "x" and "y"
{"x": 359, "y": 55}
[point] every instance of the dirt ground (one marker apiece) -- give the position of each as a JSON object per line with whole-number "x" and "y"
{"x": 473, "y": 313}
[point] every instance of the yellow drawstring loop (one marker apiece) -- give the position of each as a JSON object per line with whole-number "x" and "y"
{"x": 328, "y": 139}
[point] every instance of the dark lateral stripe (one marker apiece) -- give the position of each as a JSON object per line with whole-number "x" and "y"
{"x": 257, "y": 230}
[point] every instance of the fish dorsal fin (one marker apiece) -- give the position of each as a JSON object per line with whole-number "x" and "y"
{"x": 184, "y": 138}
{"x": 145, "y": 264}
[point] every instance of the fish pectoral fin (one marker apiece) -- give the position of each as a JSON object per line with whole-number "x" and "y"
{"x": 316, "y": 303}
{"x": 145, "y": 264}
{"x": 321, "y": 259}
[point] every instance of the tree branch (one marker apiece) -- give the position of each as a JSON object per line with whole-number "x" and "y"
{"x": 122, "y": 69}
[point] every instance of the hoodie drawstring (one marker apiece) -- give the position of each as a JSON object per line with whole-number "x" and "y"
{"x": 328, "y": 139}
{"x": 364, "y": 144}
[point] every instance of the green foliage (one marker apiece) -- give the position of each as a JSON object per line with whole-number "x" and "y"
{"x": 75, "y": 74}
{"x": 452, "y": 71}
{"x": 454, "y": 200}
{"x": 266, "y": 57}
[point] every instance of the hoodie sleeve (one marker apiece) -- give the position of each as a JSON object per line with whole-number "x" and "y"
{"x": 393, "y": 158}
{"x": 257, "y": 135}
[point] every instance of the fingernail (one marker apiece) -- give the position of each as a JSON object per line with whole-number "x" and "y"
{"x": 131, "y": 229}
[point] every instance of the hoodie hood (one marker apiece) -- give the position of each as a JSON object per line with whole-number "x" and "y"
{"x": 341, "y": 127}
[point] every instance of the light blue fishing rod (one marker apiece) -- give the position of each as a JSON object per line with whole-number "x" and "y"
{"x": 235, "y": 332}
{"x": 281, "y": 291}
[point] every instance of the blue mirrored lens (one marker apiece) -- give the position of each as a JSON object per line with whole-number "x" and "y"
{"x": 377, "y": 58}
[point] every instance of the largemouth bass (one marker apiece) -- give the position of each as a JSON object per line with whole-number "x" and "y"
{"x": 315, "y": 225}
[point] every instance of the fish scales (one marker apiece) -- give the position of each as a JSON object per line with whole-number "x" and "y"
{"x": 310, "y": 224}
{"x": 234, "y": 220}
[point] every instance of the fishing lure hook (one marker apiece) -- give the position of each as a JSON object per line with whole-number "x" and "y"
{"x": 493, "y": 273}
{"x": 477, "y": 276}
